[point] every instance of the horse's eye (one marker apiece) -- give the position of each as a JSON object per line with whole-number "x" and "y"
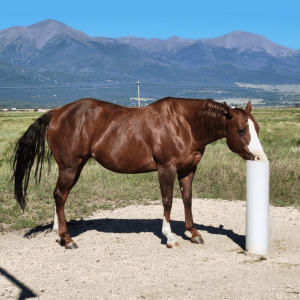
{"x": 241, "y": 131}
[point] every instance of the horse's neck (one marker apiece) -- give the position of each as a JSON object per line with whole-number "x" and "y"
{"x": 206, "y": 120}
{"x": 208, "y": 136}
{"x": 211, "y": 124}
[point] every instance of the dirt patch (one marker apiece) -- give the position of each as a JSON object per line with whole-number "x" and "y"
{"x": 122, "y": 255}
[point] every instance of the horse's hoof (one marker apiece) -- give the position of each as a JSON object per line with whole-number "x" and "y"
{"x": 197, "y": 240}
{"x": 173, "y": 245}
{"x": 61, "y": 241}
{"x": 71, "y": 245}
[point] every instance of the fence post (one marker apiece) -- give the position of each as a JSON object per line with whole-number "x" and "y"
{"x": 257, "y": 214}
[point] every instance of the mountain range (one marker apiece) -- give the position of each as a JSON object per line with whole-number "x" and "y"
{"x": 51, "y": 52}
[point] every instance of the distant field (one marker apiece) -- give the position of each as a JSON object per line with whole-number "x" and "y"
{"x": 120, "y": 92}
{"x": 221, "y": 174}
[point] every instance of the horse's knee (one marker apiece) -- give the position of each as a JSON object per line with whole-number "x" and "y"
{"x": 186, "y": 196}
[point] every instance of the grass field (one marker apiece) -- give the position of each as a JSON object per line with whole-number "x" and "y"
{"x": 221, "y": 174}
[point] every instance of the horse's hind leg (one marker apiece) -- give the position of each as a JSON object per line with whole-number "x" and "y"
{"x": 185, "y": 183}
{"x": 55, "y": 222}
{"x": 67, "y": 178}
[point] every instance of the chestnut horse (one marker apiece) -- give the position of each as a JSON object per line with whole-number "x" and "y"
{"x": 168, "y": 136}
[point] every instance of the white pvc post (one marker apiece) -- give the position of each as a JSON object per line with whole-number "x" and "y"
{"x": 257, "y": 215}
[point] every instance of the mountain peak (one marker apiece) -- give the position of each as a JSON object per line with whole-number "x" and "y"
{"x": 245, "y": 41}
{"x": 174, "y": 38}
{"x": 241, "y": 33}
{"x": 46, "y": 23}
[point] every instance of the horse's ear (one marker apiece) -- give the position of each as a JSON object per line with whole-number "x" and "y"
{"x": 229, "y": 112}
{"x": 248, "y": 107}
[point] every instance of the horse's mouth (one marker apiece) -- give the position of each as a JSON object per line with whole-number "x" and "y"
{"x": 247, "y": 155}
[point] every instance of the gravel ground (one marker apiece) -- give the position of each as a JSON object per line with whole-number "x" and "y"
{"x": 123, "y": 255}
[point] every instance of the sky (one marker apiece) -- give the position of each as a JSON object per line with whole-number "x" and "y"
{"x": 279, "y": 21}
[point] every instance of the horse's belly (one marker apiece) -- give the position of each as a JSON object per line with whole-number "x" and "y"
{"x": 126, "y": 162}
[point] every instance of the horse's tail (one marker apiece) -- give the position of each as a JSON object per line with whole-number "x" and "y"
{"x": 30, "y": 145}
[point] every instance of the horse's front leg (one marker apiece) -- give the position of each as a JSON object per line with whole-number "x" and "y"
{"x": 166, "y": 176}
{"x": 55, "y": 222}
{"x": 185, "y": 182}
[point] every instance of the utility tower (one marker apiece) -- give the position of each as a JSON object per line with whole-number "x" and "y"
{"x": 138, "y": 84}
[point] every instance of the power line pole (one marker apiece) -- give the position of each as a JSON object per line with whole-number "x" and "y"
{"x": 138, "y": 84}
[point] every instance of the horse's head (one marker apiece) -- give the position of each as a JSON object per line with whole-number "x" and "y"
{"x": 242, "y": 133}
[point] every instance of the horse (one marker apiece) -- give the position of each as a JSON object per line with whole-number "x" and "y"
{"x": 168, "y": 136}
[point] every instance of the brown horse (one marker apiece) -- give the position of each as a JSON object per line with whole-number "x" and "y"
{"x": 168, "y": 136}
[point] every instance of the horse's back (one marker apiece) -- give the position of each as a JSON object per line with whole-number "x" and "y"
{"x": 117, "y": 137}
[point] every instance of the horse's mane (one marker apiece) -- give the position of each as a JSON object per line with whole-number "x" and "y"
{"x": 211, "y": 118}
